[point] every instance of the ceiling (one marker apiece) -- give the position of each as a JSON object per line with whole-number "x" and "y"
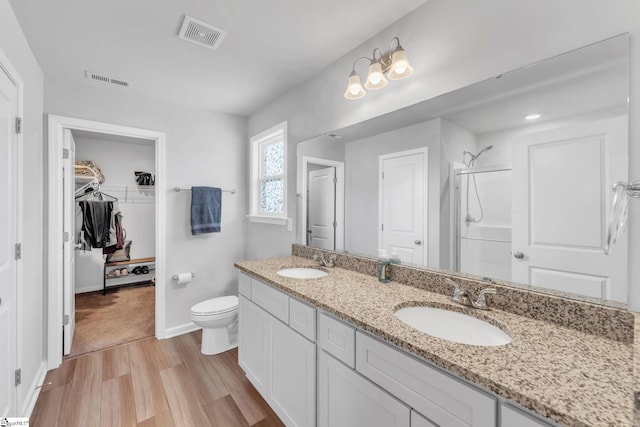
{"x": 270, "y": 47}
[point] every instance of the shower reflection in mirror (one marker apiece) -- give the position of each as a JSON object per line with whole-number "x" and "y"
{"x": 483, "y": 220}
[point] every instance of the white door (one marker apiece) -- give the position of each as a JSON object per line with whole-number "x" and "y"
{"x": 321, "y": 225}
{"x": 68, "y": 247}
{"x": 8, "y": 240}
{"x": 562, "y": 181}
{"x": 403, "y": 207}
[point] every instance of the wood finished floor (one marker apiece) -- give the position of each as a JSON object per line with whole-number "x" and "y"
{"x": 152, "y": 383}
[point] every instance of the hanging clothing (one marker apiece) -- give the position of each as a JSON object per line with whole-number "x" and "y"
{"x": 96, "y": 222}
{"x": 116, "y": 232}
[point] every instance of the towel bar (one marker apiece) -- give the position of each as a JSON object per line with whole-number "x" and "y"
{"x": 178, "y": 189}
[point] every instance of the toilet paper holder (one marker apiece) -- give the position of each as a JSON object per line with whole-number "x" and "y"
{"x": 175, "y": 276}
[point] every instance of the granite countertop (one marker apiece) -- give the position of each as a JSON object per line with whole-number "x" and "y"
{"x": 569, "y": 376}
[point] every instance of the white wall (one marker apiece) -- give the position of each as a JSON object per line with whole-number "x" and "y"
{"x": 202, "y": 148}
{"x": 118, "y": 161}
{"x": 361, "y": 179}
{"x": 452, "y": 44}
{"x": 32, "y": 311}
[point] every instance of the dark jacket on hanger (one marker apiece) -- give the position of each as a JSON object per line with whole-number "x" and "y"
{"x": 96, "y": 221}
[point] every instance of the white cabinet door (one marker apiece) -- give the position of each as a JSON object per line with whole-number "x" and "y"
{"x": 291, "y": 379}
{"x": 346, "y": 399}
{"x": 252, "y": 343}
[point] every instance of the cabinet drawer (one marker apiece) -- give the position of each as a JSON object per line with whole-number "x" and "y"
{"x": 337, "y": 339}
{"x": 302, "y": 318}
{"x": 514, "y": 417}
{"x": 440, "y": 397}
{"x": 271, "y": 299}
{"x": 244, "y": 285}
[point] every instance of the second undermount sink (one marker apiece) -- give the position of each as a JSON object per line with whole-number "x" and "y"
{"x": 302, "y": 273}
{"x": 453, "y": 326}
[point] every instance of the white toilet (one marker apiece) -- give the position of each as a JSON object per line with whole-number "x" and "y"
{"x": 218, "y": 318}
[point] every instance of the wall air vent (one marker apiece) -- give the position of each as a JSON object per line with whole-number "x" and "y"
{"x": 105, "y": 79}
{"x": 201, "y": 33}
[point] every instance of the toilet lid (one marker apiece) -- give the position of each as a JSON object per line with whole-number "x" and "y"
{"x": 216, "y": 305}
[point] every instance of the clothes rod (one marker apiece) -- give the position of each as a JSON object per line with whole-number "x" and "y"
{"x": 232, "y": 191}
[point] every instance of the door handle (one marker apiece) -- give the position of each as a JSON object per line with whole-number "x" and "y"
{"x": 518, "y": 255}
{"x": 78, "y": 246}
{"x": 418, "y": 242}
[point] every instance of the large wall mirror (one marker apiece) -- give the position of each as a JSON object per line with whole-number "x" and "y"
{"x": 508, "y": 179}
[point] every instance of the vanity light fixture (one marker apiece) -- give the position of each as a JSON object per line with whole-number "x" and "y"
{"x": 393, "y": 65}
{"x": 533, "y": 117}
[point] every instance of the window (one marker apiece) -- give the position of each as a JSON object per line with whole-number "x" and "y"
{"x": 269, "y": 176}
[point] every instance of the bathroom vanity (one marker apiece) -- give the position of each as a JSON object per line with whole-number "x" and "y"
{"x": 372, "y": 369}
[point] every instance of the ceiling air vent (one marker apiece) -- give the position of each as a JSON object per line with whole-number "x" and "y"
{"x": 105, "y": 79}
{"x": 201, "y": 33}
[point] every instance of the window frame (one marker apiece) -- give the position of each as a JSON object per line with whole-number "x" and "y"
{"x": 259, "y": 143}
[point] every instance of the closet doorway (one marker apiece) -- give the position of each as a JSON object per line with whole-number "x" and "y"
{"x": 118, "y": 169}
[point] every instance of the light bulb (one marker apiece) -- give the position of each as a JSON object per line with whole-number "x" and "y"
{"x": 400, "y": 67}
{"x": 354, "y": 87}
{"x": 375, "y": 78}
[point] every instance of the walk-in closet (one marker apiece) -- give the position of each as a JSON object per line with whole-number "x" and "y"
{"x": 114, "y": 270}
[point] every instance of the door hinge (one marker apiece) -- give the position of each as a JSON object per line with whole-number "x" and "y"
{"x": 382, "y": 175}
{"x": 65, "y": 319}
{"x": 65, "y": 237}
{"x": 18, "y": 377}
{"x": 382, "y": 227}
{"x": 18, "y": 251}
{"x": 335, "y": 224}
{"x": 65, "y": 153}
{"x": 335, "y": 180}
{"x": 18, "y": 125}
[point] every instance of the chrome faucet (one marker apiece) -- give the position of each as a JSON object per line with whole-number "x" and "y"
{"x": 324, "y": 262}
{"x": 464, "y": 297}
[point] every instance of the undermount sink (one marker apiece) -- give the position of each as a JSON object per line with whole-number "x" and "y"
{"x": 302, "y": 273}
{"x": 453, "y": 326}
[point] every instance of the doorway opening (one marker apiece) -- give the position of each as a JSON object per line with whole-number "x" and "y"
{"x": 112, "y": 294}
{"x": 96, "y": 274}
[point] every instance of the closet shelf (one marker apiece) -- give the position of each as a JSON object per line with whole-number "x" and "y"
{"x": 131, "y": 193}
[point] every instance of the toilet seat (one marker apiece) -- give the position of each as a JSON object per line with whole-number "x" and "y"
{"x": 218, "y": 305}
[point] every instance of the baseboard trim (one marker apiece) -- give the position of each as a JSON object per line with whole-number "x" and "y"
{"x": 88, "y": 289}
{"x": 34, "y": 390}
{"x": 181, "y": 330}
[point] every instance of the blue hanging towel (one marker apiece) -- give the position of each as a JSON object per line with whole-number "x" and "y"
{"x": 206, "y": 207}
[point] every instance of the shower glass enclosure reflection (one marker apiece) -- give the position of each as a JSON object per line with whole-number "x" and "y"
{"x": 483, "y": 222}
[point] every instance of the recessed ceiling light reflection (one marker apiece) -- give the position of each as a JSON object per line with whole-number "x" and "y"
{"x": 533, "y": 117}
